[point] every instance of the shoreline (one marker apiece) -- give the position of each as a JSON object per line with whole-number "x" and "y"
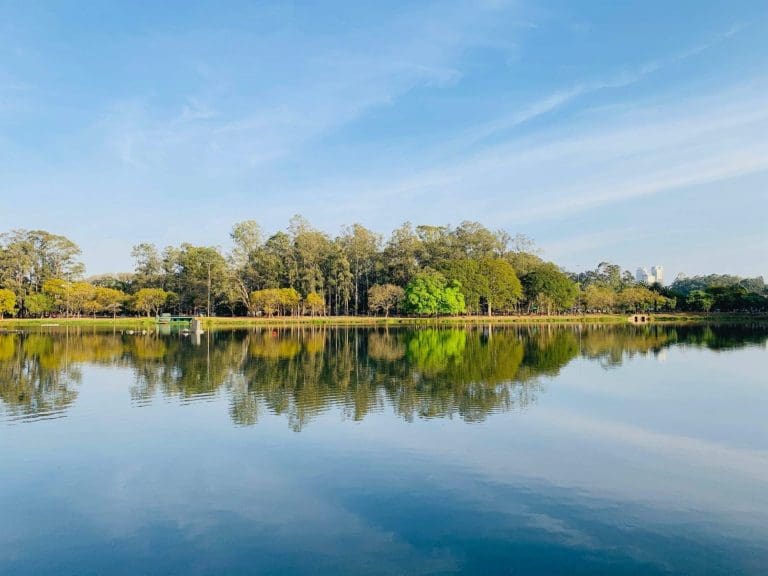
{"x": 374, "y": 321}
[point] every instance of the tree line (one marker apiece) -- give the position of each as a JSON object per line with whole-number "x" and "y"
{"x": 418, "y": 270}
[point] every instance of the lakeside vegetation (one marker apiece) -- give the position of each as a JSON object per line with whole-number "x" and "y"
{"x": 234, "y": 322}
{"x": 455, "y": 274}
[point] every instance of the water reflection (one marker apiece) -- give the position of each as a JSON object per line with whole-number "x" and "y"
{"x": 302, "y": 372}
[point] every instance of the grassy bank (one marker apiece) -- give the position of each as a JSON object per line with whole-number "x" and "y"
{"x": 229, "y": 322}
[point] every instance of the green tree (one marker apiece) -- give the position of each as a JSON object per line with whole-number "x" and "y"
{"x": 275, "y": 263}
{"x": 202, "y": 276}
{"x": 467, "y": 273}
{"x": 487, "y": 280}
{"x": 500, "y": 287}
{"x": 700, "y": 300}
{"x": 430, "y": 294}
{"x": 549, "y": 288}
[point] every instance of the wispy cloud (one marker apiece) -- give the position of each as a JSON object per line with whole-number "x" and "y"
{"x": 560, "y": 98}
{"x": 336, "y": 87}
{"x": 598, "y": 160}
{"x": 752, "y": 464}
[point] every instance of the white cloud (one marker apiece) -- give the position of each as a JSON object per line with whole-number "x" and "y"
{"x": 339, "y": 81}
{"x": 597, "y": 160}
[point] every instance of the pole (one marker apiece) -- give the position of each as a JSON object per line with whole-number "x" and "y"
{"x": 209, "y": 289}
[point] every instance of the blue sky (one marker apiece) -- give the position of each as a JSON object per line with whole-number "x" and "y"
{"x": 630, "y": 132}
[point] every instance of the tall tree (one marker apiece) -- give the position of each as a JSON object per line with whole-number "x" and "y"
{"x": 202, "y": 278}
{"x": 501, "y": 287}
{"x": 55, "y": 257}
{"x": 436, "y": 246}
{"x": 310, "y": 247}
{"x": 275, "y": 263}
{"x": 28, "y": 259}
{"x": 338, "y": 279}
{"x": 246, "y": 240}
{"x": 401, "y": 255}
{"x": 473, "y": 240}
{"x": 148, "y": 265}
{"x": 361, "y": 247}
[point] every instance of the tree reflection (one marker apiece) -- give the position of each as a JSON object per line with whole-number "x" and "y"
{"x": 39, "y": 373}
{"x": 300, "y": 373}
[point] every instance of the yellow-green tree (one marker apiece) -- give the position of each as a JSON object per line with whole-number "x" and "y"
{"x": 83, "y": 298}
{"x": 636, "y": 299}
{"x": 7, "y": 302}
{"x": 315, "y": 303}
{"x": 38, "y": 304}
{"x": 289, "y": 300}
{"x": 150, "y": 300}
{"x": 598, "y": 298}
{"x": 265, "y": 301}
{"x": 110, "y": 300}
{"x": 59, "y": 292}
{"x": 71, "y": 298}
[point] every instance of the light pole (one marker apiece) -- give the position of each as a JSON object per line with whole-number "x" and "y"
{"x": 209, "y": 290}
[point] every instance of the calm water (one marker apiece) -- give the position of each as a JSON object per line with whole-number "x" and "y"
{"x": 528, "y": 450}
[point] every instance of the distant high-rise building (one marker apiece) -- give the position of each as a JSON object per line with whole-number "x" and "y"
{"x": 656, "y": 275}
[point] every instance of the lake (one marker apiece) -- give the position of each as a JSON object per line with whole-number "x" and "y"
{"x": 535, "y": 449}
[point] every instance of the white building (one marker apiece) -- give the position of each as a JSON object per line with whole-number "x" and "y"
{"x": 656, "y": 275}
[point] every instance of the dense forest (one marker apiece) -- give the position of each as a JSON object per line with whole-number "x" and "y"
{"x": 419, "y": 270}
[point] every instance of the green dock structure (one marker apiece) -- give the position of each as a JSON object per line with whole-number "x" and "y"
{"x": 168, "y": 319}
